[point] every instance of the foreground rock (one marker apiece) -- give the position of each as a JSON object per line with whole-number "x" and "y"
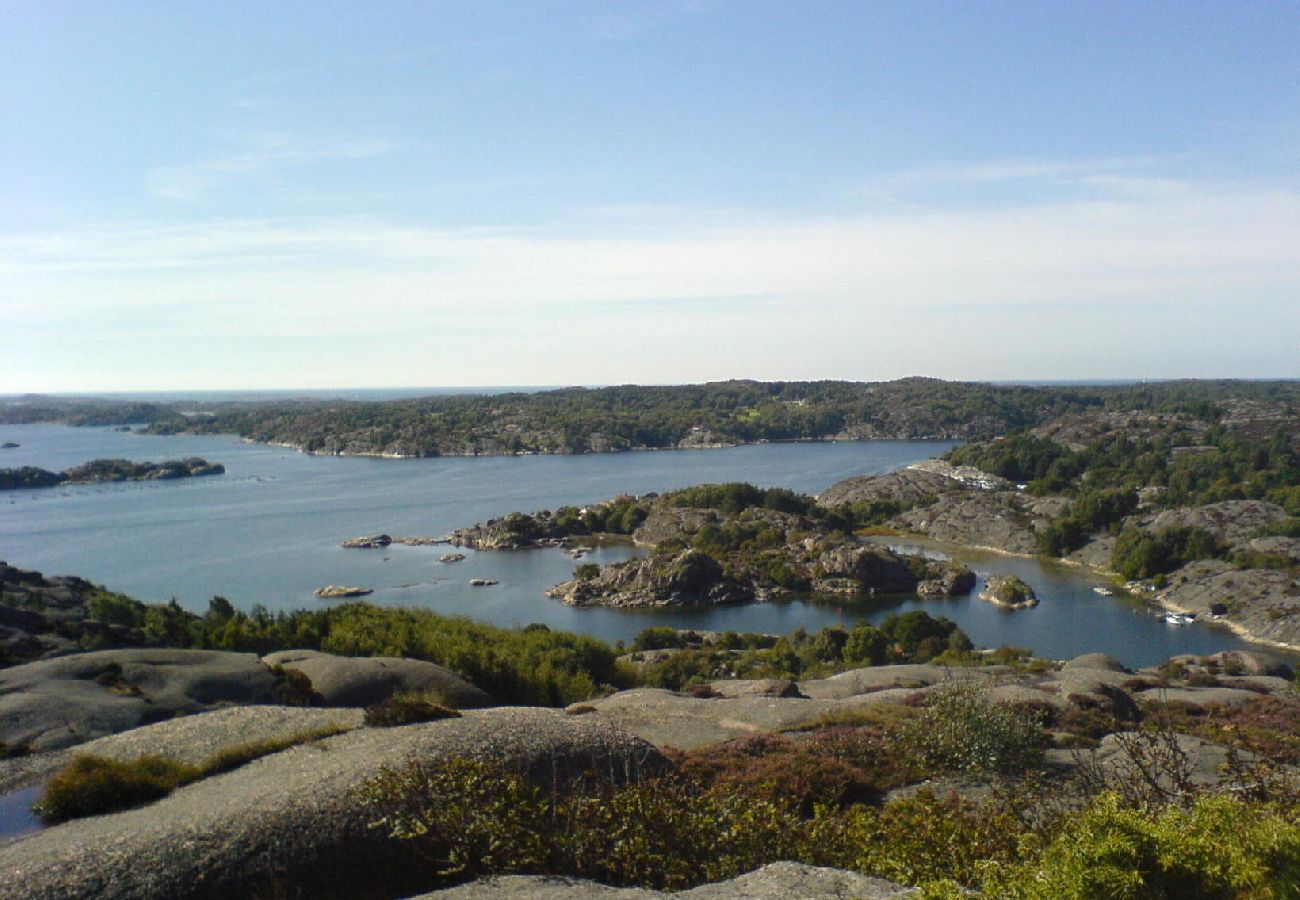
{"x": 60, "y": 702}
{"x": 190, "y": 739}
{"x": 361, "y": 681}
{"x": 777, "y": 881}
{"x": 733, "y": 709}
{"x": 1008, "y": 591}
{"x": 293, "y": 818}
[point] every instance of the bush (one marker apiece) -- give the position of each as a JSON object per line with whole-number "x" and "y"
{"x": 962, "y": 731}
{"x": 407, "y": 709}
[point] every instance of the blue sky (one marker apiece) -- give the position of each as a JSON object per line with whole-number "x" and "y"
{"x": 244, "y": 195}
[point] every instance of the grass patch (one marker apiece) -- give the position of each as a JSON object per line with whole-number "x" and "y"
{"x": 94, "y": 785}
{"x": 91, "y": 785}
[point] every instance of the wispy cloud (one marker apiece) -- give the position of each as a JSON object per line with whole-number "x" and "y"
{"x": 261, "y": 154}
{"x": 1197, "y": 280}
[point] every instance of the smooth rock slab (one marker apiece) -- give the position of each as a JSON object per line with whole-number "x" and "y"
{"x": 56, "y": 703}
{"x": 777, "y": 881}
{"x": 294, "y": 818}
{"x": 361, "y": 681}
{"x": 188, "y": 739}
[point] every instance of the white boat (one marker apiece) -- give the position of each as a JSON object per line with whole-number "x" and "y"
{"x": 1104, "y": 591}
{"x": 1180, "y": 618}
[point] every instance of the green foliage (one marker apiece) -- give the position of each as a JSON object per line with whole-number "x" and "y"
{"x": 1143, "y": 554}
{"x": 586, "y": 571}
{"x": 962, "y": 730}
{"x": 115, "y": 609}
{"x": 1022, "y": 458}
{"x": 910, "y": 637}
{"x": 1220, "y": 848}
{"x": 659, "y": 638}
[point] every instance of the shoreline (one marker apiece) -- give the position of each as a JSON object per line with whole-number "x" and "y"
{"x": 1154, "y": 601}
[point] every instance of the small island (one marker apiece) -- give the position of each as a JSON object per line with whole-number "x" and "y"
{"x": 105, "y": 470}
{"x": 1008, "y": 591}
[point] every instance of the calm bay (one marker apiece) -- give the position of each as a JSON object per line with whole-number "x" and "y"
{"x": 268, "y": 532}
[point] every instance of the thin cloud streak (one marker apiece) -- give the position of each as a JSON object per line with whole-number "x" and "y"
{"x": 705, "y": 296}
{"x": 190, "y": 181}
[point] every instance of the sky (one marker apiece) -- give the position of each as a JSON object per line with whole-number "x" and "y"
{"x": 245, "y": 195}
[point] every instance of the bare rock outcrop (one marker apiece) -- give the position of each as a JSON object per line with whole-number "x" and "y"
{"x": 294, "y": 818}
{"x": 361, "y": 681}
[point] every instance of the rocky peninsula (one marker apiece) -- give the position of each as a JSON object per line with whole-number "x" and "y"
{"x": 108, "y": 470}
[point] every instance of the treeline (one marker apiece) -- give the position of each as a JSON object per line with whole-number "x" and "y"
{"x": 578, "y": 420}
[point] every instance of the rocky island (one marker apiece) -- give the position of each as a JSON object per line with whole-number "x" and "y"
{"x": 108, "y": 470}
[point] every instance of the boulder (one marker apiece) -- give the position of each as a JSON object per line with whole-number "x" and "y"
{"x": 761, "y": 687}
{"x": 362, "y": 681}
{"x": 1099, "y": 661}
{"x": 859, "y": 568}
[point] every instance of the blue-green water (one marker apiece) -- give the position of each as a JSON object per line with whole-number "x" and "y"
{"x": 268, "y": 532}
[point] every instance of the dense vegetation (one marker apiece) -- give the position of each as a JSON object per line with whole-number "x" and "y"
{"x": 578, "y": 420}
{"x": 821, "y": 799}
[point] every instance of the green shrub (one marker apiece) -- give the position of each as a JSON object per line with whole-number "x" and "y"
{"x": 1221, "y": 848}
{"x": 961, "y": 730}
{"x": 93, "y": 785}
{"x": 407, "y": 709}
